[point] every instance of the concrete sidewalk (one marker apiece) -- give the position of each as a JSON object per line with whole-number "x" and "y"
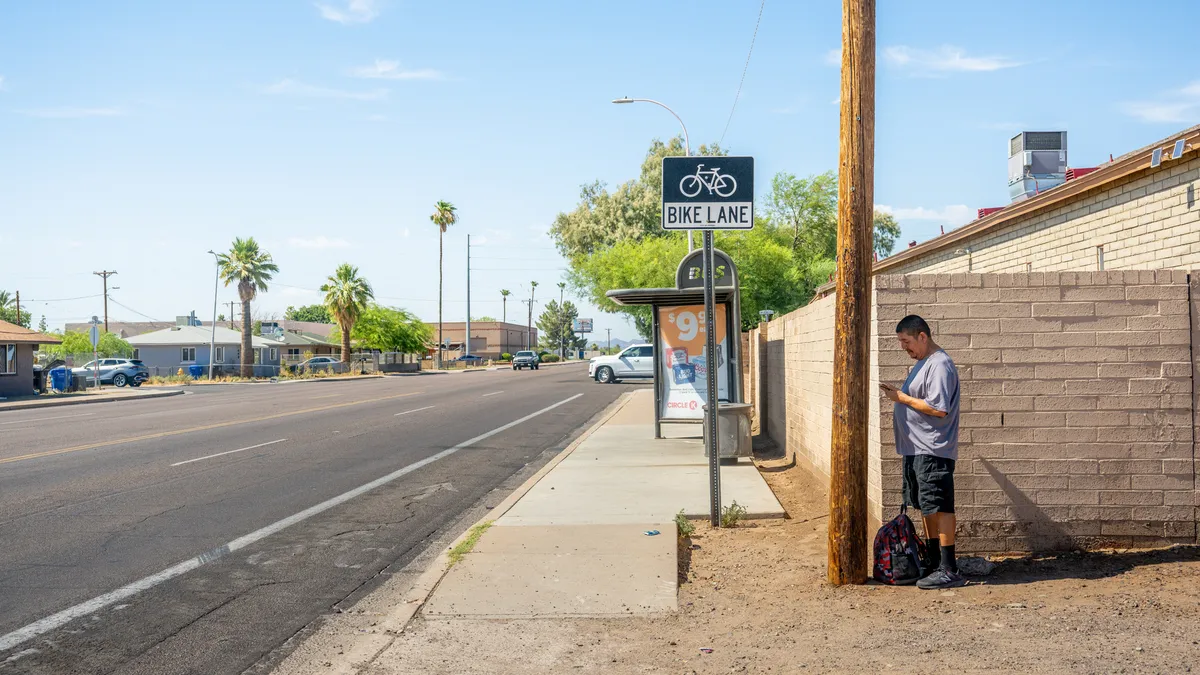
{"x": 572, "y": 545}
{"x": 79, "y": 398}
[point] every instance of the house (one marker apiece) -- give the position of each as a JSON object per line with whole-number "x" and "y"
{"x": 166, "y": 351}
{"x": 296, "y": 346}
{"x": 17, "y": 345}
{"x": 128, "y": 329}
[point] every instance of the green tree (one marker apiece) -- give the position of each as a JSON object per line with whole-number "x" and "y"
{"x": 8, "y": 311}
{"x": 389, "y": 329}
{"x": 346, "y": 295}
{"x": 887, "y": 231}
{"x": 633, "y": 211}
{"x": 485, "y": 317}
{"x": 554, "y": 326}
{"x": 76, "y": 343}
{"x": 250, "y": 268}
{"x": 314, "y": 313}
{"x": 444, "y": 215}
{"x": 43, "y": 327}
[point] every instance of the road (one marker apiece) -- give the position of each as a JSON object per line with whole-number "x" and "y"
{"x": 198, "y": 533}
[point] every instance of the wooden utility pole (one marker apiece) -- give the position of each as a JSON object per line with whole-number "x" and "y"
{"x": 231, "y": 303}
{"x": 851, "y": 356}
{"x": 18, "y": 321}
{"x": 105, "y": 274}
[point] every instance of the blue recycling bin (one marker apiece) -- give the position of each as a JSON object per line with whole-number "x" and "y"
{"x": 196, "y": 370}
{"x": 60, "y": 379}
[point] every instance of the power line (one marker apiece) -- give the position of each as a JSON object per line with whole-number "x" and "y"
{"x": 744, "y": 69}
{"x": 144, "y": 316}
{"x": 82, "y": 297}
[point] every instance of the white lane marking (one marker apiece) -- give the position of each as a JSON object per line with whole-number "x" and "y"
{"x": 99, "y": 602}
{"x": 492, "y": 394}
{"x": 229, "y": 452}
{"x": 414, "y": 410}
{"x": 40, "y": 419}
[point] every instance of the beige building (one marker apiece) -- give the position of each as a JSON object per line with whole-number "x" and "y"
{"x": 489, "y": 339}
{"x": 1072, "y": 318}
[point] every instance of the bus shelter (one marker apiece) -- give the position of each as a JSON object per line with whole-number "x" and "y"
{"x": 681, "y": 364}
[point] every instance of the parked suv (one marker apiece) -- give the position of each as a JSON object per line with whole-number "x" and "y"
{"x": 119, "y": 372}
{"x": 526, "y": 359}
{"x": 636, "y": 361}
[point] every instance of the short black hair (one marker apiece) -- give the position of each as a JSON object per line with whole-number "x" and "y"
{"x": 914, "y": 326}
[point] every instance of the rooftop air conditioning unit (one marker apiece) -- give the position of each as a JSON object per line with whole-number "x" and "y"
{"x": 1037, "y": 161}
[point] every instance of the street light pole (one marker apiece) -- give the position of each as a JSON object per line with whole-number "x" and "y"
{"x": 687, "y": 145}
{"x": 212, "y": 344}
{"x": 467, "y": 338}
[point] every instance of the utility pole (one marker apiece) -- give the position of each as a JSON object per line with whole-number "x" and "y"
{"x": 528, "y": 326}
{"x": 562, "y": 322}
{"x": 231, "y": 303}
{"x": 18, "y": 321}
{"x": 609, "y": 330}
{"x": 467, "y": 337}
{"x": 105, "y": 274}
{"x": 856, "y": 174}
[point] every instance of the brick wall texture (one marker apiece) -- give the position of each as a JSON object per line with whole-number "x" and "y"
{"x": 1077, "y": 426}
{"x": 1147, "y": 221}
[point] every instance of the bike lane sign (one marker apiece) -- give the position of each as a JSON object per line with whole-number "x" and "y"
{"x": 708, "y": 193}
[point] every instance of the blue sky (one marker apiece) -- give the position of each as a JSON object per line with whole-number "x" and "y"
{"x": 137, "y": 135}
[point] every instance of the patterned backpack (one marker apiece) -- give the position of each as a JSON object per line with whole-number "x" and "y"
{"x": 899, "y": 552}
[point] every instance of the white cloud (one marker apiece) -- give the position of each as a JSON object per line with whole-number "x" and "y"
{"x": 290, "y": 87}
{"x": 943, "y": 60}
{"x": 391, "y": 70}
{"x": 348, "y": 12}
{"x": 833, "y": 57}
{"x": 952, "y": 215}
{"x": 1180, "y": 105}
{"x": 318, "y": 242}
{"x": 72, "y": 113}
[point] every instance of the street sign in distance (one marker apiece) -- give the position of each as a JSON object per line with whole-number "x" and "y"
{"x": 582, "y": 326}
{"x": 708, "y": 193}
{"x": 94, "y": 335}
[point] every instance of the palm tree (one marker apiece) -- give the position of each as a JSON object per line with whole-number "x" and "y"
{"x": 251, "y": 268}
{"x": 346, "y": 295}
{"x": 444, "y": 215}
{"x": 6, "y": 300}
{"x": 504, "y": 293}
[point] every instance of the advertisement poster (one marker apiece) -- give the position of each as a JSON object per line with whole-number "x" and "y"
{"x": 685, "y": 365}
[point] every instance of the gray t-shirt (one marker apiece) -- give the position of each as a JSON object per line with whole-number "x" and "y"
{"x": 933, "y": 379}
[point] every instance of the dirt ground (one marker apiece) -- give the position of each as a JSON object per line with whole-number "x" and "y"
{"x": 756, "y": 596}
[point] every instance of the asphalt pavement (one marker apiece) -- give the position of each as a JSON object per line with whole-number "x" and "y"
{"x": 200, "y": 533}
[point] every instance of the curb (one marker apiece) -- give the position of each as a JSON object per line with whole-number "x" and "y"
{"x": 399, "y": 618}
{"x": 33, "y": 405}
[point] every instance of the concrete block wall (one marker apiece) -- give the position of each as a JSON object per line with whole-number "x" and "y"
{"x": 1149, "y": 221}
{"x": 1078, "y": 421}
{"x": 800, "y": 383}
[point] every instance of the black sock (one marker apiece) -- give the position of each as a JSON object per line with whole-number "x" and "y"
{"x": 934, "y": 554}
{"x": 948, "y": 562}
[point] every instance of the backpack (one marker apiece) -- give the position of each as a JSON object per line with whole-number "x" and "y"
{"x": 899, "y": 552}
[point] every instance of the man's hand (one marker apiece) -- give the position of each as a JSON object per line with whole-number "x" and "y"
{"x": 890, "y": 391}
{"x": 917, "y": 404}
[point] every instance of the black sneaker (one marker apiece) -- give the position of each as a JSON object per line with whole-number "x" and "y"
{"x": 941, "y": 578}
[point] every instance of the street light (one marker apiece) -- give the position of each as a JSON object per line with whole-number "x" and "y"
{"x": 687, "y": 145}
{"x": 212, "y": 344}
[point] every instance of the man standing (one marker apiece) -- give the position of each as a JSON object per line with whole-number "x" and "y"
{"x": 926, "y": 428}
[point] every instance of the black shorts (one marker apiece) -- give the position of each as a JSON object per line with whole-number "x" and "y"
{"x": 929, "y": 484}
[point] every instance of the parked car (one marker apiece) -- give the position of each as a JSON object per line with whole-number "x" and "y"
{"x": 636, "y": 361}
{"x": 526, "y": 359}
{"x": 469, "y": 358}
{"x": 320, "y": 363}
{"x": 119, "y": 372}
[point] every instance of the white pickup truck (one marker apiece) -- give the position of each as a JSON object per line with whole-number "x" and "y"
{"x": 635, "y": 361}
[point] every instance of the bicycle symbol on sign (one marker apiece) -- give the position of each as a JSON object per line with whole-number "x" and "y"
{"x": 721, "y": 183}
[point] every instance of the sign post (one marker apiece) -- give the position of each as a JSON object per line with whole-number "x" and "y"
{"x": 94, "y": 336}
{"x": 709, "y": 193}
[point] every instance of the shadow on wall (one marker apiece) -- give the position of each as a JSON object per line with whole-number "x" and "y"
{"x": 1033, "y": 524}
